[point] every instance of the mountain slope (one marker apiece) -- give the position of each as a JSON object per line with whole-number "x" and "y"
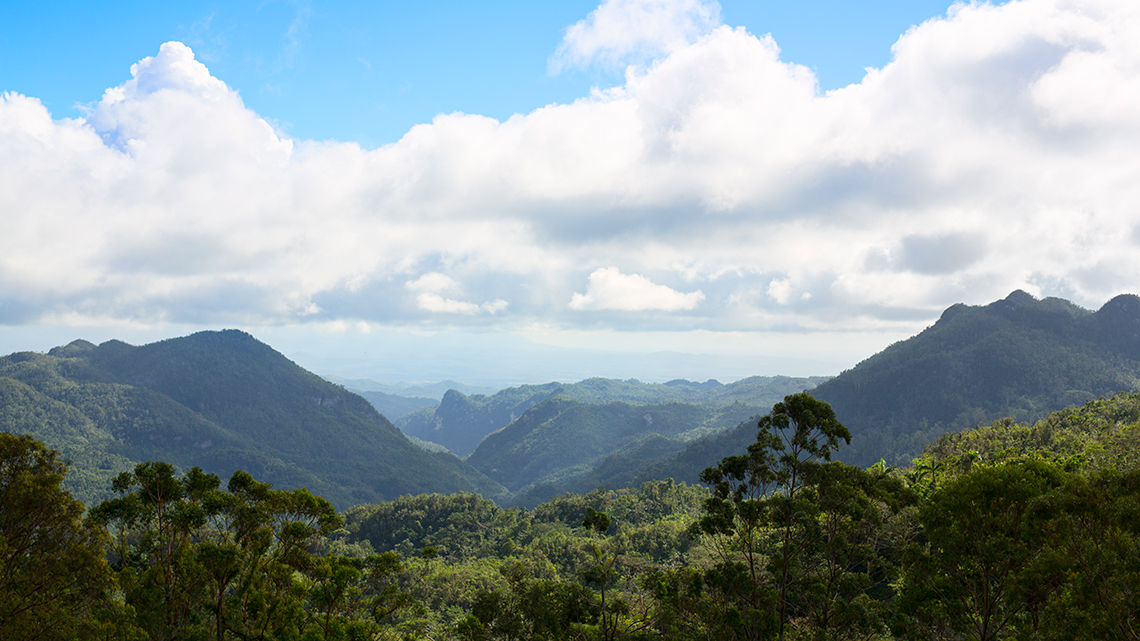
{"x": 461, "y": 422}
{"x": 1019, "y": 357}
{"x": 561, "y": 437}
{"x": 225, "y": 401}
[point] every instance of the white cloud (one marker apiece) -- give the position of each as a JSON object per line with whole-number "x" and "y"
{"x": 611, "y": 289}
{"x": 436, "y": 303}
{"x": 433, "y": 282}
{"x": 996, "y": 151}
{"x": 429, "y": 299}
{"x": 780, "y": 290}
{"x": 622, "y": 31}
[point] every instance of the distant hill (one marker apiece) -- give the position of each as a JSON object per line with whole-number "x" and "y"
{"x": 561, "y": 437}
{"x": 393, "y": 406}
{"x": 410, "y": 390}
{"x": 1018, "y": 357}
{"x": 461, "y": 422}
{"x": 221, "y": 401}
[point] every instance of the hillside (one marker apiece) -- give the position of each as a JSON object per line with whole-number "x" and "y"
{"x": 1018, "y": 357}
{"x": 461, "y": 422}
{"x": 1100, "y": 434}
{"x": 221, "y": 401}
{"x": 560, "y": 437}
{"x": 394, "y": 405}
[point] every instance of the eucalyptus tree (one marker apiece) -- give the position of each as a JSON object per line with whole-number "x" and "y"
{"x": 765, "y": 506}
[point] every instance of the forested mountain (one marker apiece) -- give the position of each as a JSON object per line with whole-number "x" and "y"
{"x": 560, "y": 437}
{"x": 221, "y": 401}
{"x": 433, "y": 391}
{"x": 1018, "y": 357}
{"x": 224, "y": 401}
{"x": 461, "y": 422}
{"x": 1006, "y": 531}
{"x": 393, "y": 405}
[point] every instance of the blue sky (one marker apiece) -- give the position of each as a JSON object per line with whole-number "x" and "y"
{"x": 565, "y": 182}
{"x": 368, "y": 71}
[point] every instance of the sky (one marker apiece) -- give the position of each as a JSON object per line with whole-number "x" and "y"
{"x": 631, "y": 188}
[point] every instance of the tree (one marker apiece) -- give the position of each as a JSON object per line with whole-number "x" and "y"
{"x": 844, "y": 592}
{"x": 193, "y": 559}
{"x": 765, "y": 503}
{"x": 602, "y": 574}
{"x": 1096, "y": 529}
{"x": 53, "y": 576}
{"x": 987, "y": 568}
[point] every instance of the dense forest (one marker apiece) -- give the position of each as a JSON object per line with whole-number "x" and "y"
{"x": 1009, "y": 531}
{"x": 1019, "y": 356}
{"x": 221, "y": 401}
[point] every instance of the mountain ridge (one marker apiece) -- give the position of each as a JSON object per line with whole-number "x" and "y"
{"x": 225, "y": 401}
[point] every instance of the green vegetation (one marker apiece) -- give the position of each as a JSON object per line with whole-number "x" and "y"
{"x": 393, "y": 405}
{"x": 461, "y": 422}
{"x": 1011, "y": 531}
{"x": 221, "y": 401}
{"x": 1018, "y": 357}
{"x": 559, "y": 437}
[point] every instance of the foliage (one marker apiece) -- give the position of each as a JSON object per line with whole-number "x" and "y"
{"x": 1028, "y": 536}
{"x": 461, "y": 422}
{"x": 797, "y": 534}
{"x": 54, "y": 581}
{"x": 987, "y": 568}
{"x": 559, "y": 437}
{"x": 1018, "y": 357}
{"x": 221, "y": 401}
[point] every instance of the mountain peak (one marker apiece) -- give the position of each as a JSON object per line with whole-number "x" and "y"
{"x": 1124, "y": 305}
{"x": 1019, "y": 298}
{"x": 75, "y": 348}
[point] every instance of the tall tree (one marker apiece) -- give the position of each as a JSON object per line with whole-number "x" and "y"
{"x": 54, "y": 580}
{"x": 765, "y": 503}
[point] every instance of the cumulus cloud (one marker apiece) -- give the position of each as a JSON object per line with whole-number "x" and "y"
{"x": 622, "y": 31}
{"x": 996, "y": 151}
{"x": 428, "y": 290}
{"x": 611, "y": 289}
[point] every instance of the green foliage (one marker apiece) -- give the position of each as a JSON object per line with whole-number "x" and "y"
{"x": 787, "y": 520}
{"x": 987, "y": 568}
{"x": 1095, "y": 531}
{"x": 461, "y": 422}
{"x": 54, "y": 581}
{"x": 559, "y": 439}
{"x": 1018, "y": 357}
{"x": 221, "y": 401}
{"x": 194, "y": 561}
{"x": 1100, "y": 434}
{"x": 1031, "y": 533}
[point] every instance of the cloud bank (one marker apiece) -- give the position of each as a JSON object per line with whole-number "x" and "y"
{"x": 716, "y": 189}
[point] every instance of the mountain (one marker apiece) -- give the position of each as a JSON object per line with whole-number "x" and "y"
{"x": 1019, "y": 357}
{"x": 461, "y": 422}
{"x": 222, "y": 401}
{"x": 560, "y": 437}
{"x": 395, "y": 405}
{"x": 423, "y": 390}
